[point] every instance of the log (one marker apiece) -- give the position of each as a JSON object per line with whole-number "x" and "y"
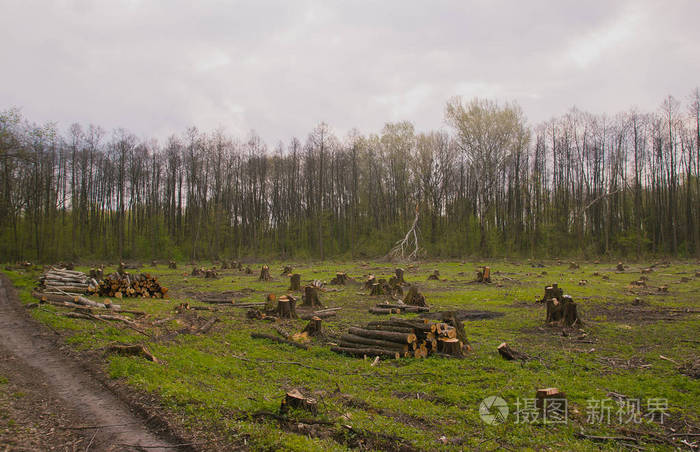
{"x": 296, "y": 400}
{"x": 368, "y": 351}
{"x": 405, "y": 338}
{"x": 295, "y": 282}
{"x": 311, "y": 296}
{"x": 451, "y": 319}
{"x": 352, "y": 340}
{"x": 384, "y": 311}
{"x": 508, "y": 353}
{"x": 279, "y": 340}
{"x": 396, "y": 329}
{"x": 313, "y": 328}
{"x": 404, "y": 307}
{"x": 132, "y": 350}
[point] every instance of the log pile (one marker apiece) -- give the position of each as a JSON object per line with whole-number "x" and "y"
{"x": 397, "y": 338}
{"x": 121, "y": 286}
{"x": 63, "y": 280}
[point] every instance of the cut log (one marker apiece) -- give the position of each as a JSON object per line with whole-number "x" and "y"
{"x": 311, "y": 296}
{"x": 294, "y": 399}
{"x": 355, "y": 341}
{"x": 384, "y": 311}
{"x": 404, "y": 307}
{"x": 405, "y": 338}
{"x": 451, "y": 318}
{"x": 368, "y": 351}
{"x": 396, "y": 329}
{"x": 265, "y": 273}
{"x": 313, "y": 328}
{"x": 508, "y": 353}
{"x": 295, "y": 282}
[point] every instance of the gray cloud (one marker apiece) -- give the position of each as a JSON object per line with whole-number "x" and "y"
{"x": 280, "y": 67}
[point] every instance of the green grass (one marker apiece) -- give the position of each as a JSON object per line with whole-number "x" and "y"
{"x": 217, "y": 381}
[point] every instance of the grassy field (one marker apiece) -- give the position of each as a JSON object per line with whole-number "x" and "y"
{"x": 221, "y": 386}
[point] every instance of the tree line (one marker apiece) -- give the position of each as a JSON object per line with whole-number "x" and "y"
{"x": 489, "y": 185}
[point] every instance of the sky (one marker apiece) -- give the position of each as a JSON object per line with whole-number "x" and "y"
{"x": 280, "y": 67}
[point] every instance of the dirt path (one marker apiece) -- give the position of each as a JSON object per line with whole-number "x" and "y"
{"x": 61, "y": 391}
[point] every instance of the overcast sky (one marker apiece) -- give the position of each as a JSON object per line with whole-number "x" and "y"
{"x": 280, "y": 67}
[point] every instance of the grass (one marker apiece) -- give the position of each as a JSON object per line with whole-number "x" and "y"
{"x": 216, "y": 382}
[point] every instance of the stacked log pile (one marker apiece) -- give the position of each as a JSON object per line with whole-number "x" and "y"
{"x": 397, "y": 338}
{"x": 126, "y": 285}
{"x": 63, "y": 280}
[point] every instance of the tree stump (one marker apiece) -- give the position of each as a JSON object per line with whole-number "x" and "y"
{"x": 563, "y": 311}
{"x": 287, "y": 270}
{"x": 395, "y": 285}
{"x": 311, "y": 296}
{"x": 313, "y": 328}
{"x": 548, "y": 393}
{"x": 172, "y": 265}
{"x": 239, "y": 266}
{"x": 340, "y": 279}
{"x": 553, "y": 291}
{"x": 296, "y": 400}
{"x": 286, "y": 307}
{"x": 370, "y": 282}
{"x": 435, "y": 276}
{"x": 573, "y": 266}
{"x": 197, "y": 271}
{"x": 620, "y": 267}
{"x": 414, "y": 297}
{"x": 399, "y": 275}
{"x": 271, "y": 306}
{"x": 484, "y": 275}
{"x": 450, "y": 346}
{"x": 265, "y": 273}
{"x": 295, "y": 282}
{"x": 224, "y": 265}
{"x": 376, "y": 289}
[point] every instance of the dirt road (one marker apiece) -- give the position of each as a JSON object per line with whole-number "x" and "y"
{"x": 54, "y": 390}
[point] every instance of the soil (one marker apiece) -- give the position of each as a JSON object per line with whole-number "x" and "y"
{"x": 52, "y": 402}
